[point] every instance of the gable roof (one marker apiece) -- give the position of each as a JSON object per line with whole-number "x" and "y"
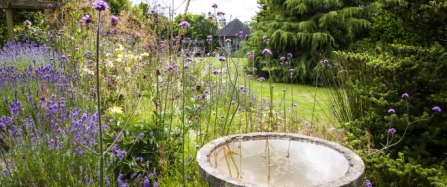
{"x": 233, "y": 28}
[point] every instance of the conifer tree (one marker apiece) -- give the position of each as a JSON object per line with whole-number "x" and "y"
{"x": 309, "y": 29}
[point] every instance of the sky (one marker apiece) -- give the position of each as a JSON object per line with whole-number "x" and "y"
{"x": 244, "y": 10}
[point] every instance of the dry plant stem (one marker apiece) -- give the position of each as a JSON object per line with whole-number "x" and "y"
{"x": 98, "y": 96}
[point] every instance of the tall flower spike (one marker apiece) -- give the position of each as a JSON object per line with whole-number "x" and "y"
{"x": 100, "y": 5}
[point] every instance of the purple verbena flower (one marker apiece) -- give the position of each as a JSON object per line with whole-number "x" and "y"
{"x": 391, "y": 111}
{"x": 282, "y": 58}
{"x": 436, "y": 109}
{"x": 405, "y": 95}
{"x": 100, "y": 5}
{"x": 87, "y": 18}
{"x": 222, "y": 58}
{"x": 391, "y": 130}
{"x": 214, "y": 5}
{"x": 261, "y": 79}
{"x": 114, "y": 19}
{"x": 266, "y": 52}
{"x": 228, "y": 40}
{"x": 183, "y": 25}
{"x": 368, "y": 183}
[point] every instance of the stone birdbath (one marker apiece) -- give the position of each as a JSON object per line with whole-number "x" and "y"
{"x": 278, "y": 160}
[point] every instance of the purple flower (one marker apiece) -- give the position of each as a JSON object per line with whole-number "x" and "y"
{"x": 100, "y": 5}
{"x": 63, "y": 57}
{"x": 219, "y": 13}
{"x": 222, "y": 58}
{"x": 233, "y": 102}
{"x": 183, "y": 24}
{"x": 5, "y": 171}
{"x": 79, "y": 152}
{"x": 250, "y": 55}
{"x": 120, "y": 154}
{"x": 282, "y": 58}
{"x": 146, "y": 182}
{"x": 260, "y": 79}
{"x": 228, "y": 40}
{"x": 368, "y": 183}
{"x": 436, "y": 109}
{"x": 87, "y": 18}
{"x": 114, "y": 19}
{"x": 391, "y": 111}
{"x": 155, "y": 184}
{"x": 266, "y": 52}
{"x": 141, "y": 135}
{"x": 289, "y": 55}
{"x": 139, "y": 159}
{"x": 405, "y": 95}
{"x": 214, "y": 5}
{"x": 209, "y": 38}
{"x": 391, "y": 130}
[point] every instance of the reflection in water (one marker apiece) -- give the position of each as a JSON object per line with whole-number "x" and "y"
{"x": 284, "y": 163}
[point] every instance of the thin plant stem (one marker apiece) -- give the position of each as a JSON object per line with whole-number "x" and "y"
{"x": 98, "y": 102}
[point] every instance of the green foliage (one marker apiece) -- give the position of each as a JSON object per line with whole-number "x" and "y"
{"x": 116, "y": 6}
{"x": 386, "y": 171}
{"x": 23, "y": 33}
{"x": 310, "y": 30}
{"x": 200, "y": 26}
{"x": 372, "y": 84}
{"x": 424, "y": 18}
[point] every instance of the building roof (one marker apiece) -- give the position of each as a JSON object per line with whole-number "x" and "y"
{"x": 233, "y": 28}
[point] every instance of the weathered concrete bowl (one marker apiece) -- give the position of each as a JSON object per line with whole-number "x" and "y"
{"x": 278, "y": 160}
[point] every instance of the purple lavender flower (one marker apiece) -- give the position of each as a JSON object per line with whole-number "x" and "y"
{"x": 79, "y": 152}
{"x": 5, "y": 171}
{"x": 87, "y": 18}
{"x": 368, "y": 183}
{"x": 183, "y": 25}
{"x": 155, "y": 184}
{"x": 120, "y": 154}
{"x": 222, "y": 58}
{"x": 139, "y": 159}
{"x": 391, "y": 130}
{"x": 266, "y": 52}
{"x": 141, "y": 135}
{"x": 405, "y": 95}
{"x": 146, "y": 182}
{"x": 436, "y": 109}
{"x": 114, "y": 19}
{"x": 100, "y": 5}
{"x": 391, "y": 111}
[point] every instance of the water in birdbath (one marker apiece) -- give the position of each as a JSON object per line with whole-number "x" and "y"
{"x": 279, "y": 162}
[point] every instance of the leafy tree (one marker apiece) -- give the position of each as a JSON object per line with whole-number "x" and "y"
{"x": 116, "y": 6}
{"x": 200, "y": 27}
{"x": 310, "y": 30}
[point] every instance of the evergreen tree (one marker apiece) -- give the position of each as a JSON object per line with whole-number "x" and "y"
{"x": 309, "y": 29}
